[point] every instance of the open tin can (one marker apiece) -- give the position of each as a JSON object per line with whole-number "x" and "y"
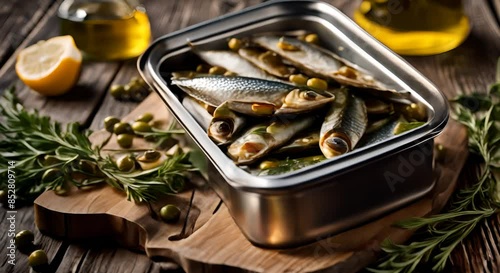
{"x": 333, "y": 195}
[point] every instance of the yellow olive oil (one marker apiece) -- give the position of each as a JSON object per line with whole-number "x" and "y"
{"x": 106, "y": 30}
{"x": 415, "y": 27}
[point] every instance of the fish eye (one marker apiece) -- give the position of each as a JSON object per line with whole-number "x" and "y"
{"x": 221, "y": 128}
{"x": 337, "y": 144}
{"x": 309, "y": 95}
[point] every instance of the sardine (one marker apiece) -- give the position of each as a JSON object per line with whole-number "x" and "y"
{"x": 344, "y": 124}
{"x": 305, "y": 142}
{"x": 378, "y": 107}
{"x": 233, "y": 62}
{"x": 318, "y": 62}
{"x": 261, "y": 139}
{"x": 267, "y": 61}
{"x": 197, "y": 110}
{"x": 216, "y": 89}
{"x": 225, "y": 124}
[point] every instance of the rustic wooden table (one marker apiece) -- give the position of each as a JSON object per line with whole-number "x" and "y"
{"x": 471, "y": 67}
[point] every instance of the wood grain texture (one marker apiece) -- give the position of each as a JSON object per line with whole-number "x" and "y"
{"x": 17, "y": 19}
{"x": 474, "y": 73}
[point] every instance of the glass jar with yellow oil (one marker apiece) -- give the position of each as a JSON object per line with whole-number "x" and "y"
{"x": 106, "y": 29}
{"x": 415, "y": 27}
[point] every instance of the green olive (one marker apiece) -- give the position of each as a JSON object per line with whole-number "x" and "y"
{"x": 126, "y": 163}
{"x": 51, "y": 175}
{"x": 287, "y": 46}
{"x": 60, "y": 190}
{"x": 202, "y": 68}
{"x": 170, "y": 213}
{"x": 347, "y": 72}
{"x": 234, "y": 44}
{"x": 312, "y": 38}
{"x": 38, "y": 260}
{"x": 146, "y": 117}
{"x": 87, "y": 166}
{"x": 4, "y": 196}
{"x": 117, "y": 91}
{"x": 49, "y": 160}
{"x": 122, "y": 128}
{"x": 151, "y": 155}
{"x": 317, "y": 83}
{"x": 217, "y": 70}
{"x": 141, "y": 126}
{"x": 24, "y": 239}
{"x": 268, "y": 164}
{"x": 230, "y": 74}
{"x": 109, "y": 123}
{"x": 125, "y": 140}
{"x": 298, "y": 79}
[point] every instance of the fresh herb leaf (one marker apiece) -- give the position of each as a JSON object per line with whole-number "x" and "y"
{"x": 438, "y": 235}
{"x": 44, "y": 156}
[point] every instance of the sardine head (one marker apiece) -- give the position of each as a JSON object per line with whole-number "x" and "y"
{"x": 247, "y": 150}
{"x": 221, "y": 130}
{"x": 335, "y": 144}
{"x": 298, "y": 101}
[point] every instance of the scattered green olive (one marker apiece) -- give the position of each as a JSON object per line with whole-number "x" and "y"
{"x": 4, "y": 196}
{"x": 170, "y": 213}
{"x": 141, "y": 126}
{"x": 216, "y": 70}
{"x": 230, "y": 74}
{"x": 51, "y": 175}
{"x": 38, "y": 260}
{"x": 146, "y": 117}
{"x": 109, "y": 123}
{"x": 298, "y": 79}
{"x": 49, "y": 160}
{"x": 202, "y": 68}
{"x": 234, "y": 44}
{"x": 126, "y": 163}
{"x": 122, "y": 128}
{"x": 125, "y": 140}
{"x": 87, "y": 166}
{"x": 61, "y": 190}
{"x": 347, "y": 72}
{"x": 150, "y": 156}
{"x": 317, "y": 83}
{"x": 287, "y": 46}
{"x": 24, "y": 239}
{"x": 312, "y": 38}
{"x": 117, "y": 91}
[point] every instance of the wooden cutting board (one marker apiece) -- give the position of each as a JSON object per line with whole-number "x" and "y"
{"x": 206, "y": 239}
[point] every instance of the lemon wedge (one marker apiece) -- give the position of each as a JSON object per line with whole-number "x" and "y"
{"x": 50, "y": 67}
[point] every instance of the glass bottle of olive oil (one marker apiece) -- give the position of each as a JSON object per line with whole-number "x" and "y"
{"x": 106, "y": 29}
{"x": 415, "y": 27}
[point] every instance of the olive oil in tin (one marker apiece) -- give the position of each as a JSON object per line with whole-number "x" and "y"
{"x": 106, "y": 30}
{"x": 415, "y": 27}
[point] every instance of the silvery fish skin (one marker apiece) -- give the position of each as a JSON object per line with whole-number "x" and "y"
{"x": 225, "y": 124}
{"x": 344, "y": 124}
{"x": 199, "y": 113}
{"x": 261, "y": 139}
{"x": 317, "y": 62}
{"x": 267, "y": 61}
{"x": 216, "y": 89}
{"x": 233, "y": 62}
{"x": 304, "y": 142}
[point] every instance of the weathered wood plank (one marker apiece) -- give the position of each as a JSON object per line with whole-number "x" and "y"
{"x": 16, "y": 21}
{"x": 24, "y": 219}
{"x": 77, "y": 105}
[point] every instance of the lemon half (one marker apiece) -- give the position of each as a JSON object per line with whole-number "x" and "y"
{"x": 50, "y": 67}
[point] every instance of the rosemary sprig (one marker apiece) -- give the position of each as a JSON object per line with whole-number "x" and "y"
{"x": 44, "y": 156}
{"x": 438, "y": 235}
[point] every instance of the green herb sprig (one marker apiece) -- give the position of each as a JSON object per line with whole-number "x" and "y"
{"x": 438, "y": 235}
{"x": 43, "y": 156}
